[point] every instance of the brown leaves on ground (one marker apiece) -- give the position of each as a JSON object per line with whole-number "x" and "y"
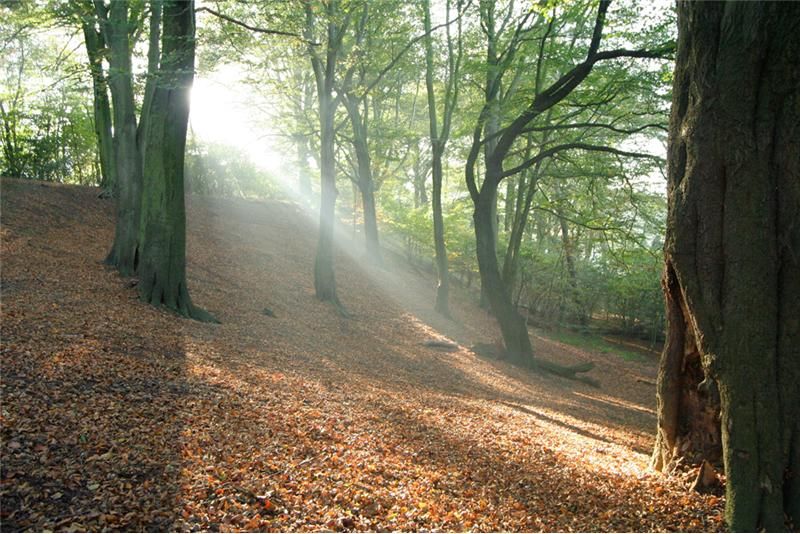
{"x": 119, "y": 416}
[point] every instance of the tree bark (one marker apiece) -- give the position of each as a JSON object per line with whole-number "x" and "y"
{"x": 365, "y": 182}
{"x": 162, "y": 265}
{"x": 324, "y": 276}
{"x": 324, "y": 75}
{"x": 512, "y": 324}
{"x": 442, "y": 303}
{"x": 125, "y": 249}
{"x": 732, "y": 266}
{"x": 100, "y": 104}
{"x": 438, "y": 140}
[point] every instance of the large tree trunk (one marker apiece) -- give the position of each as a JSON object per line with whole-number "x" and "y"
{"x": 732, "y": 266}
{"x": 125, "y": 250}
{"x": 162, "y": 265}
{"x": 513, "y": 326}
{"x": 153, "y": 57}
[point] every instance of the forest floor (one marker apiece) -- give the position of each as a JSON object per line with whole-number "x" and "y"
{"x": 120, "y": 416}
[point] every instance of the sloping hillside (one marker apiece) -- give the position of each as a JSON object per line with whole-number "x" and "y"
{"x": 119, "y": 416}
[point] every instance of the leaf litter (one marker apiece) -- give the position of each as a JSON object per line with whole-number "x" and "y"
{"x": 121, "y": 417}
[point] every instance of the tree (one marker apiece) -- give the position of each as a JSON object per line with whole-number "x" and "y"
{"x": 116, "y": 24}
{"x": 512, "y": 325}
{"x": 732, "y": 272}
{"x": 325, "y": 74}
{"x": 438, "y": 142}
{"x": 162, "y": 262}
{"x": 101, "y": 106}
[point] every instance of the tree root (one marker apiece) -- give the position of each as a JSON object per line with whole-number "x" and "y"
{"x": 447, "y": 346}
{"x": 199, "y": 314}
{"x": 571, "y": 372}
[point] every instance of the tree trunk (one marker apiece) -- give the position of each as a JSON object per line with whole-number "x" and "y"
{"x": 365, "y": 182}
{"x": 370, "y": 223}
{"x": 438, "y": 139}
{"x": 512, "y": 324}
{"x": 442, "y": 268}
{"x": 732, "y": 266}
{"x": 524, "y": 199}
{"x": 162, "y": 265}
{"x": 492, "y": 125}
{"x": 302, "y": 139}
{"x": 124, "y": 252}
{"x": 324, "y": 277}
{"x": 572, "y": 272}
{"x": 153, "y": 56}
{"x": 100, "y": 104}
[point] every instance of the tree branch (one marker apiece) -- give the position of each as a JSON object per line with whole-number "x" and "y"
{"x": 255, "y": 29}
{"x": 571, "y": 146}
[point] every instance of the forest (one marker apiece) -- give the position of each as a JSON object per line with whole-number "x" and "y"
{"x": 372, "y": 265}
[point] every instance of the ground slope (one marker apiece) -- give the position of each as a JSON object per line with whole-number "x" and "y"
{"x": 119, "y": 416}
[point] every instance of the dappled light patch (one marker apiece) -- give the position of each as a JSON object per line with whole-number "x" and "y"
{"x": 121, "y": 416}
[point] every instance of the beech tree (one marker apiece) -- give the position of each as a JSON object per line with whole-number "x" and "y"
{"x": 484, "y": 197}
{"x": 162, "y": 262}
{"x": 324, "y": 62}
{"x": 116, "y": 24}
{"x": 730, "y": 371}
{"x": 439, "y": 136}
{"x": 101, "y": 106}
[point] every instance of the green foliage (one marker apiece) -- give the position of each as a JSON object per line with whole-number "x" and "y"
{"x": 47, "y": 127}
{"x": 611, "y": 206}
{"x": 225, "y": 170}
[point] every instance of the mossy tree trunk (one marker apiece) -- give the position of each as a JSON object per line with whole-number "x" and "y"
{"x": 732, "y": 275}
{"x": 162, "y": 264}
{"x": 116, "y": 27}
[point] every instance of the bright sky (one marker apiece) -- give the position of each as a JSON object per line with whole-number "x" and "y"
{"x": 222, "y": 111}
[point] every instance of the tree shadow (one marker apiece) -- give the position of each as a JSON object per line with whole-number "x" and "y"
{"x": 94, "y": 383}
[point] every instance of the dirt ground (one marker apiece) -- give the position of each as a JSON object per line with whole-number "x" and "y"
{"x": 120, "y": 416}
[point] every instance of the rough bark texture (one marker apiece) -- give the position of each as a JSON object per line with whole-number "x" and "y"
{"x": 732, "y": 252}
{"x": 162, "y": 264}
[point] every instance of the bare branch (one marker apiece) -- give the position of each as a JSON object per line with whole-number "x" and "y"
{"x": 252, "y": 28}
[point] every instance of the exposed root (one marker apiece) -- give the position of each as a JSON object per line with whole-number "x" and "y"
{"x": 447, "y": 346}
{"x": 199, "y": 314}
